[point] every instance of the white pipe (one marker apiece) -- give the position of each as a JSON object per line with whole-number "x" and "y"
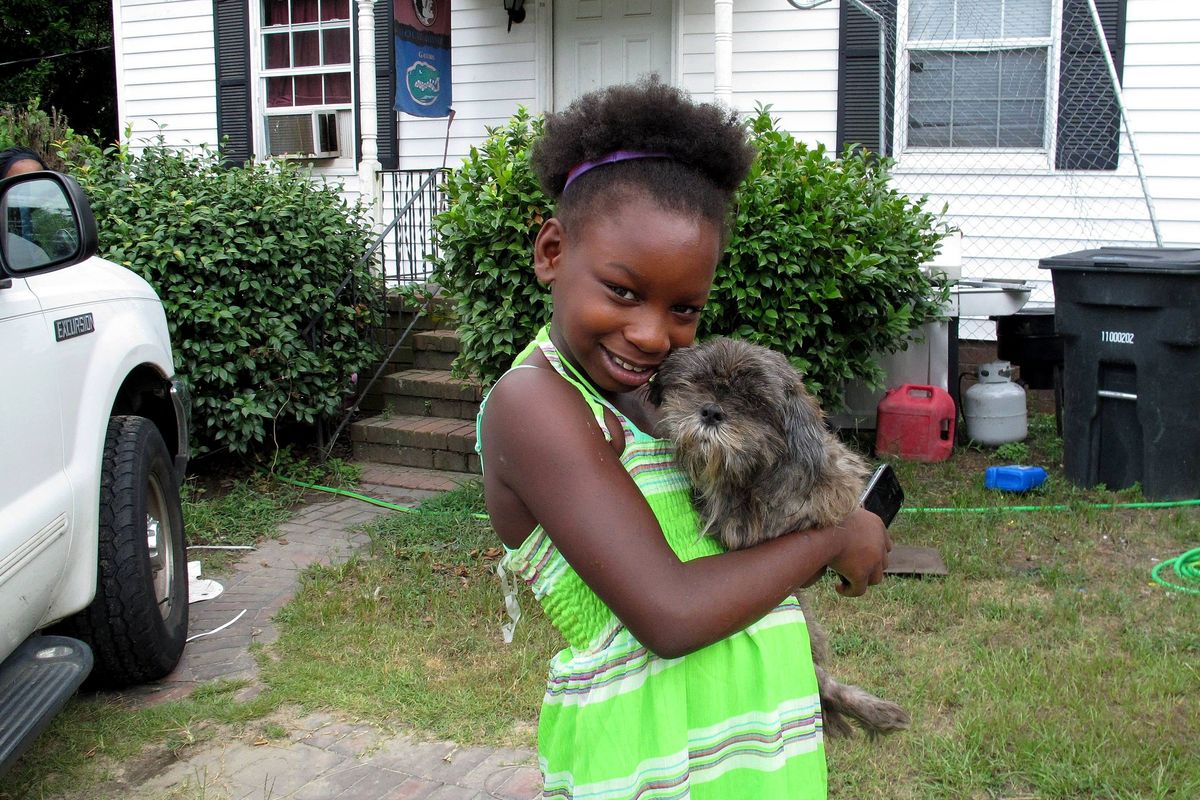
{"x": 368, "y": 168}
{"x": 723, "y": 51}
{"x": 1120, "y": 97}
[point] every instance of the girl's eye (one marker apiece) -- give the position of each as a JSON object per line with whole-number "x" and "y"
{"x": 688, "y": 311}
{"x": 620, "y": 291}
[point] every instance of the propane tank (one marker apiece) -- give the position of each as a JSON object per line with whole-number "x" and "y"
{"x": 994, "y": 408}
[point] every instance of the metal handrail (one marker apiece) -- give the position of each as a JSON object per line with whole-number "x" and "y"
{"x": 374, "y": 248}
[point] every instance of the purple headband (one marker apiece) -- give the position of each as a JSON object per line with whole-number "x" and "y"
{"x": 611, "y": 158}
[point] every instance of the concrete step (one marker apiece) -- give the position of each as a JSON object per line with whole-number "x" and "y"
{"x": 417, "y": 441}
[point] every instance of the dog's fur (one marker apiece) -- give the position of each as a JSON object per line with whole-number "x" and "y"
{"x": 762, "y": 463}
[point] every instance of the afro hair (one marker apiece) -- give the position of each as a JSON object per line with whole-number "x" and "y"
{"x": 707, "y": 153}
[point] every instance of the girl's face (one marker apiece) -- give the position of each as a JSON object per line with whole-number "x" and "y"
{"x": 627, "y": 287}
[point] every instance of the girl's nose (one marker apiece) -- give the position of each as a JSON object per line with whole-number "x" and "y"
{"x": 649, "y": 334}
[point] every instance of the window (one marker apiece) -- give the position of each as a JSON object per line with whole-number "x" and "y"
{"x": 305, "y": 76}
{"x": 306, "y": 52}
{"x": 977, "y": 73}
{"x": 1009, "y": 76}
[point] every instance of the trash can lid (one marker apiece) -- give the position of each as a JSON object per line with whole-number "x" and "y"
{"x": 1156, "y": 260}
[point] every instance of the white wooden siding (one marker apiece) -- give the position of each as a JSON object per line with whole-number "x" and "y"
{"x": 781, "y": 56}
{"x": 166, "y": 76}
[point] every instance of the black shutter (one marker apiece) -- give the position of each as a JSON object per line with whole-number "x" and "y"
{"x": 1089, "y": 121}
{"x": 858, "y": 75}
{"x": 385, "y": 85}
{"x": 232, "y": 23}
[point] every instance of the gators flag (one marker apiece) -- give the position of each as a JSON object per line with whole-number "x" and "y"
{"x": 422, "y": 33}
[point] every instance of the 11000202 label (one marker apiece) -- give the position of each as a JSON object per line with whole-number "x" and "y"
{"x": 1116, "y": 337}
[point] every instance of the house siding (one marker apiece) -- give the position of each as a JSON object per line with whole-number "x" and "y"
{"x": 166, "y": 74}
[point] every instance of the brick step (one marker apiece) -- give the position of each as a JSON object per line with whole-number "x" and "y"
{"x": 443, "y": 341}
{"x": 441, "y": 460}
{"x": 400, "y": 477}
{"x": 432, "y": 384}
{"x": 405, "y": 430}
{"x": 433, "y": 359}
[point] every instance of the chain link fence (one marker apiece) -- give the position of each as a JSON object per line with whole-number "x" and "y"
{"x": 1007, "y": 113}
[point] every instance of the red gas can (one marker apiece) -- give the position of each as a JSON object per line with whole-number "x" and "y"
{"x": 916, "y": 423}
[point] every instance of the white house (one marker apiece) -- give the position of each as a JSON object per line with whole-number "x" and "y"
{"x": 1001, "y": 109}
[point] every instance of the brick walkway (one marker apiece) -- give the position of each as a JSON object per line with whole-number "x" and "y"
{"x": 324, "y": 756}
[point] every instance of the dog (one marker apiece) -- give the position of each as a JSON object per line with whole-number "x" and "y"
{"x": 762, "y": 463}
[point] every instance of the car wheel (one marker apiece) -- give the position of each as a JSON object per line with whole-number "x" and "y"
{"x": 137, "y": 623}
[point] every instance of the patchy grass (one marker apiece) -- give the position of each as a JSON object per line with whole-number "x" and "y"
{"x": 1045, "y": 665}
{"x": 411, "y": 632}
{"x": 104, "y": 745}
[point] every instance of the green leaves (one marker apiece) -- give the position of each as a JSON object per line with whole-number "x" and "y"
{"x": 823, "y": 263}
{"x": 242, "y": 259}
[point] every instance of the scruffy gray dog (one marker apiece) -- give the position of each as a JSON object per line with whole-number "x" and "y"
{"x": 762, "y": 463}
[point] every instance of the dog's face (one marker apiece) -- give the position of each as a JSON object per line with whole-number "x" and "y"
{"x": 734, "y": 410}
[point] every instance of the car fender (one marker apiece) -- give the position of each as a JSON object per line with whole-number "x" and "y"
{"x": 130, "y": 333}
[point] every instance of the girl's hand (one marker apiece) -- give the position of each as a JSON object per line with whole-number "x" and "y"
{"x": 862, "y": 557}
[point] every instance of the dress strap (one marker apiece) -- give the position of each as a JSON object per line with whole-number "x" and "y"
{"x": 591, "y": 396}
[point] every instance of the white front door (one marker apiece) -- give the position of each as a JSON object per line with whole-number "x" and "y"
{"x": 599, "y": 43}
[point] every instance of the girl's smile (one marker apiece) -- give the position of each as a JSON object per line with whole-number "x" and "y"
{"x": 627, "y": 288}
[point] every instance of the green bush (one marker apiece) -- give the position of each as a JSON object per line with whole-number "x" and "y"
{"x": 494, "y": 211}
{"x": 823, "y": 263}
{"x": 243, "y": 259}
{"x": 44, "y": 132}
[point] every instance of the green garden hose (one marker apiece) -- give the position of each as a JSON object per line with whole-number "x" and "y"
{"x": 1186, "y": 566}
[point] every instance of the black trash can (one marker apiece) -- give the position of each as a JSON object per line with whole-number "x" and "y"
{"x": 1129, "y": 319}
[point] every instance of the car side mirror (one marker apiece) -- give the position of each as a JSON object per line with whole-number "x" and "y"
{"x": 45, "y": 223}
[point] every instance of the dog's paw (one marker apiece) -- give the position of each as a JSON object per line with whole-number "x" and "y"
{"x": 881, "y": 717}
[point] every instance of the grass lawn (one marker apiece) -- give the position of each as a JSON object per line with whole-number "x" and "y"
{"x": 1045, "y": 665}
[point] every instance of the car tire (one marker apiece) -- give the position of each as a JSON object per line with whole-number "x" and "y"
{"x": 137, "y": 622}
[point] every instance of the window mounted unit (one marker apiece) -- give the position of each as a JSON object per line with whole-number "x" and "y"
{"x": 306, "y": 135}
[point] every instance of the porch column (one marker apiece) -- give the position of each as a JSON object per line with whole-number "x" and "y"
{"x": 723, "y": 51}
{"x": 368, "y": 168}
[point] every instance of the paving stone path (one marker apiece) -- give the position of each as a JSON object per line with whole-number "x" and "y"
{"x": 324, "y": 756}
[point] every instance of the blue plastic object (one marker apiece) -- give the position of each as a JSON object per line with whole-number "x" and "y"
{"x": 1014, "y": 478}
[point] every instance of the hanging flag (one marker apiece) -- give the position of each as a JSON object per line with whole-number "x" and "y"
{"x": 422, "y": 33}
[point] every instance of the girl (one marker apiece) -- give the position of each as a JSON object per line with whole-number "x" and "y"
{"x": 688, "y": 670}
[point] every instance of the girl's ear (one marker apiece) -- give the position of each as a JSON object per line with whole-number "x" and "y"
{"x": 547, "y": 250}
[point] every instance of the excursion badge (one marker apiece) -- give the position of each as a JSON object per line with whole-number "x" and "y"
{"x": 70, "y": 327}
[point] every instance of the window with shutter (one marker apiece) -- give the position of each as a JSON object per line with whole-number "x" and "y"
{"x": 979, "y": 75}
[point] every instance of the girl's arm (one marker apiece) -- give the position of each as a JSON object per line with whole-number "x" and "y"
{"x": 548, "y": 462}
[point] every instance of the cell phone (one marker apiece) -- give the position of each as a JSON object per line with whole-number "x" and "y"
{"x": 884, "y": 495}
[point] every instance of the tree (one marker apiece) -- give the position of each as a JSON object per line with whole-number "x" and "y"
{"x": 61, "y": 53}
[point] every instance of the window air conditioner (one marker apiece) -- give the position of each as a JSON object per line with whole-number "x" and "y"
{"x": 308, "y": 135}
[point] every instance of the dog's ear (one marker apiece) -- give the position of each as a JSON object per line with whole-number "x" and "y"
{"x": 803, "y": 426}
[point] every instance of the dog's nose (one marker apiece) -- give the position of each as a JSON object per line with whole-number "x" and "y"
{"x": 711, "y": 413}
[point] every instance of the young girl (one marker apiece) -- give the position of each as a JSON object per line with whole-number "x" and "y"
{"x": 688, "y": 670}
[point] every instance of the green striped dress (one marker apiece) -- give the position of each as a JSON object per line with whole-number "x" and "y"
{"x": 737, "y": 719}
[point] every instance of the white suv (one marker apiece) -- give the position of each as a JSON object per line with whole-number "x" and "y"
{"x": 93, "y": 444}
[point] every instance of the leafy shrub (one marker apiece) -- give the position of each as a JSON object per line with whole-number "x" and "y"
{"x": 243, "y": 259}
{"x": 1013, "y": 453}
{"x": 823, "y": 264}
{"x": 494, "y": 211}
{"x": 825, "y": 261}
